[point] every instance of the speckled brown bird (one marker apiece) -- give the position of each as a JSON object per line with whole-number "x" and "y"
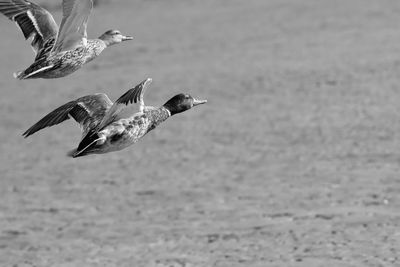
{"x": 59, "y": 52}
{"x": 108, "y": 127}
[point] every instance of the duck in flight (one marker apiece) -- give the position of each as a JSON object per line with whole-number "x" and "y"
{"x": 108, "y": 126}
{"x": 59, "y": 52}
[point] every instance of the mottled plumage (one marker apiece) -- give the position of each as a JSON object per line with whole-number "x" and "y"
{"x": 59, "y": 52}
{"x": 106, "y": 126}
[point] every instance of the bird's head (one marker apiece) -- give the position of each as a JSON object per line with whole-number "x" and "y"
{"x": 181, "y": 103}
{"x": 114, "y": 37}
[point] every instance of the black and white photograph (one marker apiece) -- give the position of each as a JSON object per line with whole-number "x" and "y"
{"x": 199, "y": 133}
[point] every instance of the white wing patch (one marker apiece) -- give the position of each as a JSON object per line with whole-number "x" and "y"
{"x": 34, "y": 22}
{"x": 82, "y": 105}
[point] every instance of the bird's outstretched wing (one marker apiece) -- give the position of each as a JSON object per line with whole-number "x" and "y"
{"x": 33, "y": 20}
{"x": 134, "y": 95}
{"x": 73, "y": 25}
{"x": 88, "y": 111}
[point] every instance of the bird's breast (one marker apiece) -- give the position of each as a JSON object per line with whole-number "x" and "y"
{"x": 125, "y": 132}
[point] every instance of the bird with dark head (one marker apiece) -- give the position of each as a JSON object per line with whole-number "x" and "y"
{"x": 181, "y": 103}
{"x": 107, "y": 126}
{"x": 58, "y": 51}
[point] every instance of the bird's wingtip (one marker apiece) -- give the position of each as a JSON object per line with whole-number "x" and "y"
{"x": 148, "y": 81}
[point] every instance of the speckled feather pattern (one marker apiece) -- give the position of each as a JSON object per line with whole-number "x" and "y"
{"x": 65, "y": 63}
{"x": 125, "y": 132}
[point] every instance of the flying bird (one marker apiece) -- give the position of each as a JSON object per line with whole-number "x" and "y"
{"x": 58, "y": 51}
{"x": 108, "y": 126}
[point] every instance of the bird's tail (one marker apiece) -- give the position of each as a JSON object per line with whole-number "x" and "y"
{"x": 88, "y": 145}
{"x": 74, "y": 153}
{"x": 20, "y": 75}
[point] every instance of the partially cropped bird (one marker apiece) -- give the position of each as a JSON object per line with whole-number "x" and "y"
{"x": 108, "y": 127}
{"x": 59, "y": 52}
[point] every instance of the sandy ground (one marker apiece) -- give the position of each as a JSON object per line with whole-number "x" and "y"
{"x": 293, "y": 162}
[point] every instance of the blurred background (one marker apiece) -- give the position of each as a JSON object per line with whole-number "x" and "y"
{"x": 293, "y": 161}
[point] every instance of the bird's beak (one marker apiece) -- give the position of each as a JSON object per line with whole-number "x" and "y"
{"x": 126, "y": 38}
{"x": 198, "y": 102}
